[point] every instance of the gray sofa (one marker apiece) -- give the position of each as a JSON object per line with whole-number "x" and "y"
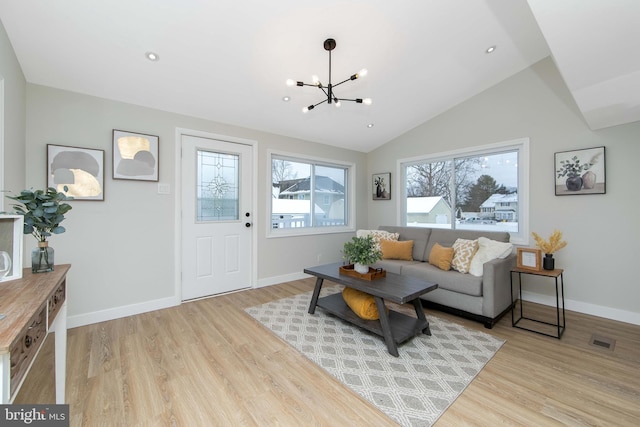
{"x": 485, "y": 299}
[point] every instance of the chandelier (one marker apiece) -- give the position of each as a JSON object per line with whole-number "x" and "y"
{"x": 329, "y": 45}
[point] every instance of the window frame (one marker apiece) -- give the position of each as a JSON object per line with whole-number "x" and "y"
{"x": 520, "y": 144}
{"x": 350, "y": 202}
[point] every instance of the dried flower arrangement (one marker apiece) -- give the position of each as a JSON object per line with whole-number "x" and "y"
{"x": 554, "y": 244}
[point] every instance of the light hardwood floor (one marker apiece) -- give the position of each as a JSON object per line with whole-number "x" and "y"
{"x": 207, "y": 363}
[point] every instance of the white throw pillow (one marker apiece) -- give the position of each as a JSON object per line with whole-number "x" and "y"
{"x": 488, "y": 250}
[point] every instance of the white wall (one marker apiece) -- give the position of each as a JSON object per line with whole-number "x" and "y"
{"x": 122, "y": 249}
{"x": 13, "y": 128}
{"x": 602, "y": 230}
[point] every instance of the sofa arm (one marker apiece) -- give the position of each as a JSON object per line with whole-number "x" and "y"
{"x": 496, "y": 285}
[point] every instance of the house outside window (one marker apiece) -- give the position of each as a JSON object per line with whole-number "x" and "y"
{"x": 309, "y": 196}
{"x": 485, "y": 188}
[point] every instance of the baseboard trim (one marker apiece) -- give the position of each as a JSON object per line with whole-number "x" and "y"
{"x": 268, "y": 281}
{"x": 119, "y": 312}
{"x": 144, "y": 307}
{"x": 585, "y": 308}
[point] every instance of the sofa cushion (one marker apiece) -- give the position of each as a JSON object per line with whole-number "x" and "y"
{"x": 450, "y": 280}
{"x": 463, "y": 252}
{"x": 397, "y": 249}
{"x": 420, "y": 237}
{"x": 488, "y": 250}
{"x": 394, "y": 265}
{"x": 441, "y": 257}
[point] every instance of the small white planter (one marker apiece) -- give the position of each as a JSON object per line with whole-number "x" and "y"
{"x": 361, "y": 268}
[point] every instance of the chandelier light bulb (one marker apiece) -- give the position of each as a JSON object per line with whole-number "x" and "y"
{"x": 315, "y": 79}
{"x": 362, "y": 72}
{"x": 338, "y": 104}
{"x": 290, "y": 82}
{"x": 305, "y": 110}
{"x": 367, "y": 101}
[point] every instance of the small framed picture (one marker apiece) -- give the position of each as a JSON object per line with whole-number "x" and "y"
{"x": 382, "y": 186}
{"x": 529, "y": 259}
{"x": 76, "y": 172}
{"x": 135, "y": 156}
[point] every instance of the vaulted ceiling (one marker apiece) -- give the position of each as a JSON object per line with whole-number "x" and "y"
{"x": 228, "y": 61}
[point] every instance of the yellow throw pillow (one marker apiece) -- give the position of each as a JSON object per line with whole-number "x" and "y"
{"x": 441, "y": 257}
{"x": 401, "y": 249}
{"x": 362, "y": 304}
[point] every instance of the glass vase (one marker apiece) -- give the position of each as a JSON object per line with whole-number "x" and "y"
{"x": 5, "y": 264}
{"x": 42, "y": 258}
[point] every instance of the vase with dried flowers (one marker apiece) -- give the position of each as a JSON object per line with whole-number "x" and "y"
{"x": 549, "y": 247}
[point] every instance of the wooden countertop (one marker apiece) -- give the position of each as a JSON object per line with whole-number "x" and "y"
{"x": 20, "y": 299}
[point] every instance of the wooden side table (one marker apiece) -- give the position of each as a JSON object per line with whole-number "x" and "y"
{"x": 33, "y": 306}
{"x": 560, "y": 320}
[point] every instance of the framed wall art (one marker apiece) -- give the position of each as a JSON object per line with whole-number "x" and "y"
{"x": 529, "y": 259}
{"x": 381, "y": 186}
{"x": 135, "y": 156}
{"x": 79, "y": 170}
{"x": 580, "y": 172}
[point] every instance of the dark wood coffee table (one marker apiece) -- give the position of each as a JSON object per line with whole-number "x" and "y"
{"x": 395, "y": 327}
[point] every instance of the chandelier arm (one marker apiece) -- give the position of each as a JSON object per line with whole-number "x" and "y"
{"x": 344, "y": 81}
{"x": 322, "y": 88}
{"x": 321, "y": 102}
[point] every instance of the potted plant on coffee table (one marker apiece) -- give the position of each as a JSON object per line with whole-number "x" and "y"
{"x": 43, "y": 211}
{"x": 362, "y": 252}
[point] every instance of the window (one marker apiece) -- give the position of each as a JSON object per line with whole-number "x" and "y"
{"x": 481, "y": 189}
{"x": 309, "y": 196}
{"x": 217, "y": 186}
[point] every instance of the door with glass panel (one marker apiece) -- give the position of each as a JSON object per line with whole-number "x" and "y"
{"x": 216, "y": 216}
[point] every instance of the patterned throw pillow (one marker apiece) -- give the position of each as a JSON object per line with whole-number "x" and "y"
{"x": 378, "y": 235}
{"x": 463, "y": 252}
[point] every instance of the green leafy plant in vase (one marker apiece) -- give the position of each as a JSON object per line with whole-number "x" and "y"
{"x": 362, "y": 252}
{"x": 43, "y": 211}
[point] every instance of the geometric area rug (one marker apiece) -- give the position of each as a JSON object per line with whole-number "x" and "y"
{"x": 414, "y": 389}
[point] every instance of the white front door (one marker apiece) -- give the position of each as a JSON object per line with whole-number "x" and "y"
{"x": 216, "y": 216}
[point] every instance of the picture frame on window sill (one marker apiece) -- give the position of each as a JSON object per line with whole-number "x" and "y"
{"x": 529, "y": 259}
{"x": 381, "y": 185}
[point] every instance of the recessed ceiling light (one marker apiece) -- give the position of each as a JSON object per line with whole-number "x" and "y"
{"x": 490, "y": 49}
{"x": 152, "y": 56}
{"x": 370, "y": 125}
{"x": 286, "y": 98}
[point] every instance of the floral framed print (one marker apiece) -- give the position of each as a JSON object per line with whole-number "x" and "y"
{"x": 135, "y": 156}
{"x": 76, "y": 172}
{"x": 580, "y": 172}
{"x": 382, "y": 186}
